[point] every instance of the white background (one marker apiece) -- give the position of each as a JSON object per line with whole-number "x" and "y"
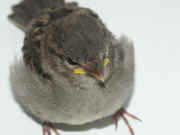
{"x": 154, "y": 26}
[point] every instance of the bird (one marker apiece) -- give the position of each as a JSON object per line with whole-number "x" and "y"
{"x": 73, "y": 70}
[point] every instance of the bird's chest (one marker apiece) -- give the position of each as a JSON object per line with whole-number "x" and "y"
{"x": 88, "y": 99}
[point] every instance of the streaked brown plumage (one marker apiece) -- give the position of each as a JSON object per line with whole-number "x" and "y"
{"x": 60, "y": 37}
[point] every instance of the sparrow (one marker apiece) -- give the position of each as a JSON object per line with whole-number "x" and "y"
{"x": 73, "y": 70}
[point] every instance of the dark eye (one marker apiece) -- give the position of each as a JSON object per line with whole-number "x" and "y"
{"x": 69, "y": 60}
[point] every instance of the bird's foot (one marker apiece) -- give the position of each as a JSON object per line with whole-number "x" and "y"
{"x": 121, "y": 114}
{"x": 48, "y": 127}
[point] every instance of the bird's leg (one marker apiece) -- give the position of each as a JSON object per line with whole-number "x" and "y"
{"x": 46, "y": 130}
{"x": 121, "y": 114}
{"x": 48, "y": 127}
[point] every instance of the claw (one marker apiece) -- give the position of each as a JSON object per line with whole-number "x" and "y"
{"x": 121, "y": 114}
{"x": 131, "y": 115}
{"x": 128, "y": 125}
{"x": 47, "y": 127}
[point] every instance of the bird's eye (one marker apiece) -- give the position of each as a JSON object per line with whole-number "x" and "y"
{"x": 71, "y": 62}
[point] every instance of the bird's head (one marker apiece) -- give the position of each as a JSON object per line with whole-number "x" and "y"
{"x": 83, "y": 41}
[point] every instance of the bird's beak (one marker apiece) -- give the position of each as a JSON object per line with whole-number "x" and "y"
{"x": 93, "y": 68}
{"x": 96, "y": 69}
{"x": 99, "y": 76}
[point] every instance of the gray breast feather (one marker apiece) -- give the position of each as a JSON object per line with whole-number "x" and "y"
{"x": 54, "y": 103}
